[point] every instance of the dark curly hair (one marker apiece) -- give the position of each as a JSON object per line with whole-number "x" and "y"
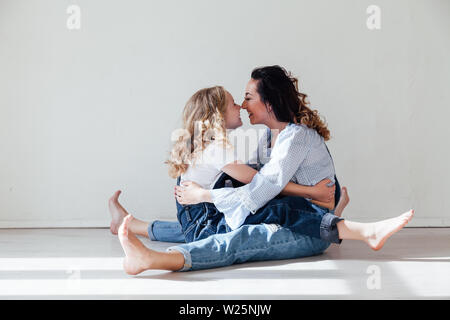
{"x": 279, "y": 88}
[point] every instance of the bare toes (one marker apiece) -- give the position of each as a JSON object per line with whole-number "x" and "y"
{"x": 123, "y": 229}
{"x": 115, "y": 196}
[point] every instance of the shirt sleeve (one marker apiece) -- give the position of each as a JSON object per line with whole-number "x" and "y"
{"x": 290, "y": 150}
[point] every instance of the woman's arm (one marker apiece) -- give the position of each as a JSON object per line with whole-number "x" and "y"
{"x": 289, "y": 152}
{"x": 320, "y": 192}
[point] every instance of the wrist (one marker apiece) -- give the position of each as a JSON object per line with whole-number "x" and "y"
{"x": 206, "y": 196}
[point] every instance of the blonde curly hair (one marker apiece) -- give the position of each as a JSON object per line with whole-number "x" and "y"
{"x": 203, "y": 122}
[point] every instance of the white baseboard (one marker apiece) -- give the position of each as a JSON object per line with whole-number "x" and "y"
{"x": 19, "y": 224}
{"x": 104, "y": 223}
{"x": 54, "y": 224}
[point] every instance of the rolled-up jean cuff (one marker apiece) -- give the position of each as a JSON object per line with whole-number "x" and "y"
{"x": 187, "y": 258}
{"x": 150, "y": 231}
{"x": 328, "y": 228}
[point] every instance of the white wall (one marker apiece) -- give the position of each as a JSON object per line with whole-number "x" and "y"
{"x": 86, "y": 112}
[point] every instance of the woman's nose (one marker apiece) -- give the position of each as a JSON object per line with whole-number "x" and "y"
{"x": 244, "y": 105}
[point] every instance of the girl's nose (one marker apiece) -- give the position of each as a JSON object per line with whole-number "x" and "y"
{"x": 243, "y": 105}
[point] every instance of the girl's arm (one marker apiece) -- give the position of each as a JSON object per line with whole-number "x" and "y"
{"x": 321, "y": 193}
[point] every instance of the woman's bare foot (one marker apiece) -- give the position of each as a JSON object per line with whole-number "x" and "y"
{"x": 379, "y": 232}
{"x": 343, "y": 202}
{"x": 117, "y": 212}
{"x": 138, "y": 257}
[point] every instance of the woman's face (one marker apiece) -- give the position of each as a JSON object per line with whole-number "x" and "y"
{"x": 232, "y": 113}
{"x": 257, "y": 110}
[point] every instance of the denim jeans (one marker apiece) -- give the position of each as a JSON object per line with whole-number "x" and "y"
{"x": 194, "y": 221}
{"x": 259, "y": 242}
{"x": 167, "y": 231}
{"x": 201, "y": 220}
{"x": 300, "y": 216}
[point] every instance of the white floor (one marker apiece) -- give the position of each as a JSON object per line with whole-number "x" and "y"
{"x": 87, "y": 264}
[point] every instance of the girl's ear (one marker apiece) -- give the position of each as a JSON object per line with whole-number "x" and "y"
{"x": 269, "y": 107}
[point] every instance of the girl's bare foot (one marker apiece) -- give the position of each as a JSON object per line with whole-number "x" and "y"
{"x": 343, "y": 202}
{"x": 137, "y": 256}
{"x": 379, "y": 232}
{"x": 117, "y": 212}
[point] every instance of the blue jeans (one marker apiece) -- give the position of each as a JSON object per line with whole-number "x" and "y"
{"x": 167, "y": 231}
{"x": 300, "y": 216}
{"x": 259, "y": 242}
{"x": 201, "y": 220}
{"x": 297, "y": 214}
{"x": 194, "y": 221}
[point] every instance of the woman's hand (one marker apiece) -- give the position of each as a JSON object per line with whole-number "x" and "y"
{"x": 191, "y": 193}
{"x": 323, "y": 193}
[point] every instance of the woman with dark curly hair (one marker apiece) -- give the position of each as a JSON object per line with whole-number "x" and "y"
{"x": 264, "y": 226}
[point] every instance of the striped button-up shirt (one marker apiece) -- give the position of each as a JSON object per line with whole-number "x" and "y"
{"x": 299, "y": 155}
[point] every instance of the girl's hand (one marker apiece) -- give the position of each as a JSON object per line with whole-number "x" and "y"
{"x": 191, "y": 193}
{"x": 323, "y": 193}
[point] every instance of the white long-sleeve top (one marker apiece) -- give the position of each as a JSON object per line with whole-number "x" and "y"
{"x": 299, "y": 155}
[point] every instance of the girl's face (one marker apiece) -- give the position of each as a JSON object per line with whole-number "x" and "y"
{"x": 232, "y": 113}
{"x": 257, "y": 110}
